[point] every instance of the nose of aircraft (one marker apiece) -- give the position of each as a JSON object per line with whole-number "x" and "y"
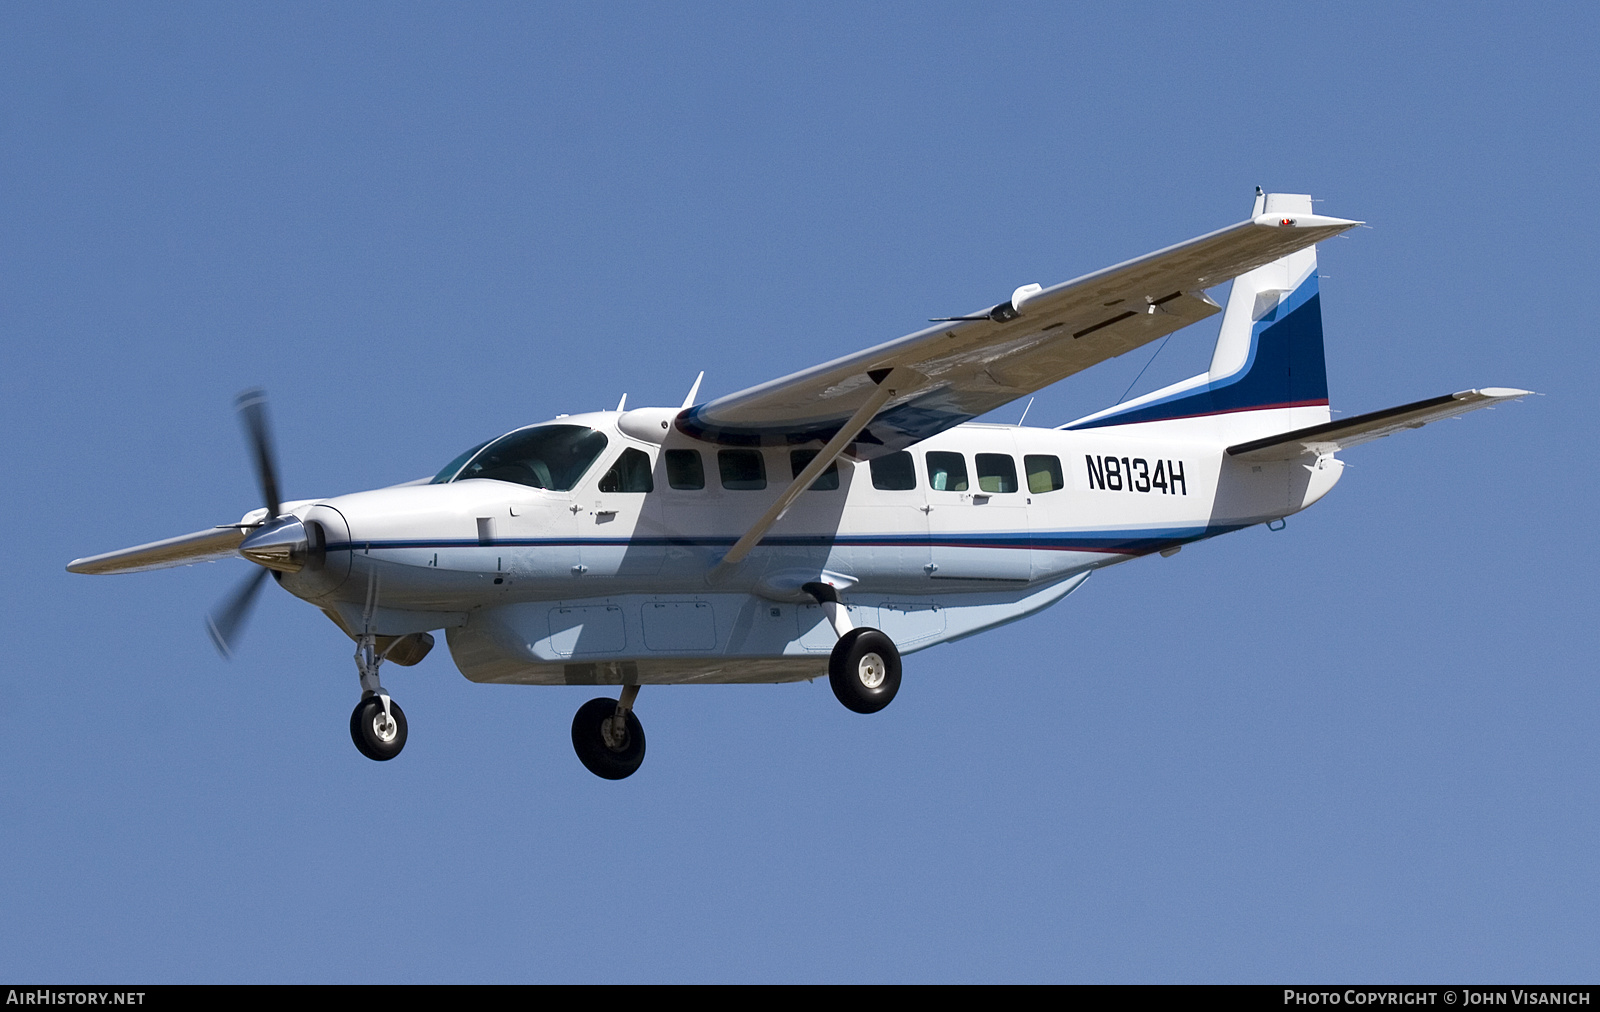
{"x": 284, "y": 544}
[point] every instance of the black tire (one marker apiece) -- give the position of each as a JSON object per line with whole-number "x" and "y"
{"x": 597, "y": 757}
{"x": 367, "y": 733}
{"x": 864, "y": 670}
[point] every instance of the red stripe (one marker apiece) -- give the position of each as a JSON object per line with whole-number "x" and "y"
{"x": 1232, "y": 411}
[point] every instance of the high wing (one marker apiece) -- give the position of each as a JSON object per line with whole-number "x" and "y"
{"x": 1332, "y": 436}
{"x": 184, "y": 550}
{"x": 965, "y": 366}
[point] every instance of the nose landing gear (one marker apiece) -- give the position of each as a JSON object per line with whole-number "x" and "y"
{"x": 608, "y": 737}
{"x": 377, "y": 724}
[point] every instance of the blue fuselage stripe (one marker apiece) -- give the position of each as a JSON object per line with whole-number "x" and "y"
{"x": 1059, "y": 541}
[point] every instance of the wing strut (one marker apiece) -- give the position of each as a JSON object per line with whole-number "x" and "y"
{"x": 802, "y": 481}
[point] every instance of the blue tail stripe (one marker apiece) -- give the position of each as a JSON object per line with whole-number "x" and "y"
{"x": 1285, "y": 368}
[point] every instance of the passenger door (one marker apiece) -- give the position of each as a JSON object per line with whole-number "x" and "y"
{"x": 888, "y": 521}
{"x": 978, "y": 516}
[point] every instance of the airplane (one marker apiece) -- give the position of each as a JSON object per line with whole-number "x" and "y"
{"x": 831, "y": 521}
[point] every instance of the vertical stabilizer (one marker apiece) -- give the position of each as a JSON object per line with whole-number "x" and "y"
{"x": 1271, "y": 339}
{"x": 1268, "y": 356}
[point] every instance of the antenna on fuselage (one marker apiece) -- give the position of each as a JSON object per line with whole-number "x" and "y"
{"x": 688, "y": 402}
{"x": 622, "y": 403}
{"x": 1025, "y": 413}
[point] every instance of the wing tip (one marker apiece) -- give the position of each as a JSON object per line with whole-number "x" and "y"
{"x": 1292, "y": 220}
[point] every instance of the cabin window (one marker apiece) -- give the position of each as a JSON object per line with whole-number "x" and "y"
{"x": 631, "y": 473}
{"x": 685, "y": 469}
{"x": 543, "y": 456}
{"x": 742, "y": 470}
{"x": 894, "y": 473}
{"x": 947, "y": 472}
{"x": 997, "y": 472}
{"x": 827, "y": 481}
{"x": 1044, "y": 473}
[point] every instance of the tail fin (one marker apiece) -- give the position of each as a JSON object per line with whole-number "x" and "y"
{"x": 1268, "y": 355}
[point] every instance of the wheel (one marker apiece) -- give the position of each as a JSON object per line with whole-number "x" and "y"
{"x": 611, "y": 760}
{"x": 375, "y": 736}
{"x": 864, "y": 670}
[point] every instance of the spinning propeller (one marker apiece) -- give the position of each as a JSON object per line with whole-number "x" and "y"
{"x": 267, "y": 536}
{"x": 276, "y": 542}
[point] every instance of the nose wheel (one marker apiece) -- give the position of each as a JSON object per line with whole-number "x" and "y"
{"x": 608, "y": 737}
{"x": 379, "y": 733}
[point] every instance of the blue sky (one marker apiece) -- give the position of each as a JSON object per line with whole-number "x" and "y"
{"x": 1361, "y": 748}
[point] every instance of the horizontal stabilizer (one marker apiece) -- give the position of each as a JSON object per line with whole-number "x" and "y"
{"x": 1347, "y": 432}
{"x": 184, "y": 550}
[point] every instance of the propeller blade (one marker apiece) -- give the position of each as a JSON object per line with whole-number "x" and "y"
{"x": 227, "y": 621}
{"x": 252, "y": 407}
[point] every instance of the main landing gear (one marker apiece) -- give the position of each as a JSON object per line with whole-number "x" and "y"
{"x": 864, "y": 668}
{"x": 608, "y": 737}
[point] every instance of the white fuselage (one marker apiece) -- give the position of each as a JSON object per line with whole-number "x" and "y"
{"x": 530, "y": 582}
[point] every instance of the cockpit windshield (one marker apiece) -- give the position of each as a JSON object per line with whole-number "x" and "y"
{"x": 545, "y": 456}
{"x": 449, "y": 470}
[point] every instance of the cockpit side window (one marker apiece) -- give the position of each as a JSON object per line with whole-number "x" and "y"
{"x": 546, "y": 456}
{"x": 631, "y": 473}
